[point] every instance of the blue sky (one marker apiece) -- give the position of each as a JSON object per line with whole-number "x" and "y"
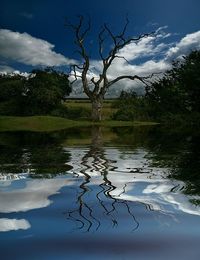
{"x": 32, "y": 33}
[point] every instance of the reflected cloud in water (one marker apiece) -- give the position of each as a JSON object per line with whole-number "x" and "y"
{"x": 13, "y": 224}
{"x": 128, "y": 177}
{"x": 105, "y": 184}
{"x": 34, "y": 195}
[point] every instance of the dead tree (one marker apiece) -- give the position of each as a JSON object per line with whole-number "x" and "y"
{"x": 96, "y": 88}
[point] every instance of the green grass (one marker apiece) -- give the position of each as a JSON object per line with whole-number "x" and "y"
{"x": 50, "y": 123}
{"x": 37, "y": 123}
{"x": 107, "y": 109}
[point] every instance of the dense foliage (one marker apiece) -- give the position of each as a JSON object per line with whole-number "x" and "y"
{"x": 40, "y": 93}
{"x": 174, "y": 97}
{"x": 12, "y": 95}
{"x": 131, "y": 107}
{"x": 178, "y": 91}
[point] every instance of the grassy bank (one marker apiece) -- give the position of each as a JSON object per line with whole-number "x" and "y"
{"x": 54, "y": 123}
{"x": 50, "y": 123}
{"x": 107, "y": 110}
{"x": 36, "y": 123}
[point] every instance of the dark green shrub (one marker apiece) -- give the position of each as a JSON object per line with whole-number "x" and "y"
{"x": 71, "y": 113}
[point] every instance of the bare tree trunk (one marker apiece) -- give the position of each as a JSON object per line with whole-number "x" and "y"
{"x": 97, "y": 109}
{"x": 101, "y": 83}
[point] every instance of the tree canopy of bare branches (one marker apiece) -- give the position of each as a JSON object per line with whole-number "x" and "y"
{"x": 102, "y": 83}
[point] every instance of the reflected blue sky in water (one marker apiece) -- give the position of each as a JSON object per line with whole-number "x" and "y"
{"x": 112, "y": 202}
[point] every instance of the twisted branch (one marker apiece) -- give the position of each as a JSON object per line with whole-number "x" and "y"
{"x": 119, "y": 41}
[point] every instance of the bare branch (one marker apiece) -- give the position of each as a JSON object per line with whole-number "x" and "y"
{"x": 101, "y": 41}
{"x": 85, "y": 32}
{"x": 76, "y": 66}
{"x": 124, "y": 30}
{"x": 121, "y": 36}
{"x": 119, "y": 41}
{"x": 80, "y": 35}
{"x": 73, "y": 68}
{"x": 110, "y": 33}
{"x": 122, "y": 57}
{"x": 144, "y": 80}
{"x": 93, "y": 81}
{"x": 76, "y": 76}
{"x": 136, "y": 39}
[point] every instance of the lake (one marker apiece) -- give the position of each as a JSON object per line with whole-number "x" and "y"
{"x": 100, "y": 193}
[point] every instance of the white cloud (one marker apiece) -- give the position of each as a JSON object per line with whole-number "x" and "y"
{"x": 140, "y": 49}
{"x": 144, "y": 69}
{"x": 147, "y": 56}
{"x": 13, "y": 224}
{"x": 5, "y": 70}
{"x": 186, "y": 45}
{"x": 35, "y": 195}
{"x": 149, "y": 48}
{"x": 22, "y": 47}
{"x": 24, "y": 74}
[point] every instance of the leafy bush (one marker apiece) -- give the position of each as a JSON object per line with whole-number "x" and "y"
{"x": 131, "y": 107}
{"x": 179, "y": 90}
{"x": 38, "y": 94}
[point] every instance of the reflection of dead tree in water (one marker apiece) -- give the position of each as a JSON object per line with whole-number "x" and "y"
{"x": 93, "y": 161}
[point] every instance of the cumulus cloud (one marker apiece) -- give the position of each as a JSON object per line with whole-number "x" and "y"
{"x": 158, "y": 56}
{"x": 147, "y": 46}
{"x": 146, "y": 49}
{"x": 147, "y": 56}
{"x": 144, "y": 69}
{"x": 186, "y": 45}
{"x": 23, "y": 48}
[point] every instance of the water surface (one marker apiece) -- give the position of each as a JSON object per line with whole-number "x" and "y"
{"x": 121, "y": 193}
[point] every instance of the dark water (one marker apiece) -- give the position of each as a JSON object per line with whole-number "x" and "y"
{"x": 121, "y": 193}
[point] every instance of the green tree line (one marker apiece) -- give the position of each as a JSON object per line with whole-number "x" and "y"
{"x": 174, "y": 97}
{"x": 39, "y": 94}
